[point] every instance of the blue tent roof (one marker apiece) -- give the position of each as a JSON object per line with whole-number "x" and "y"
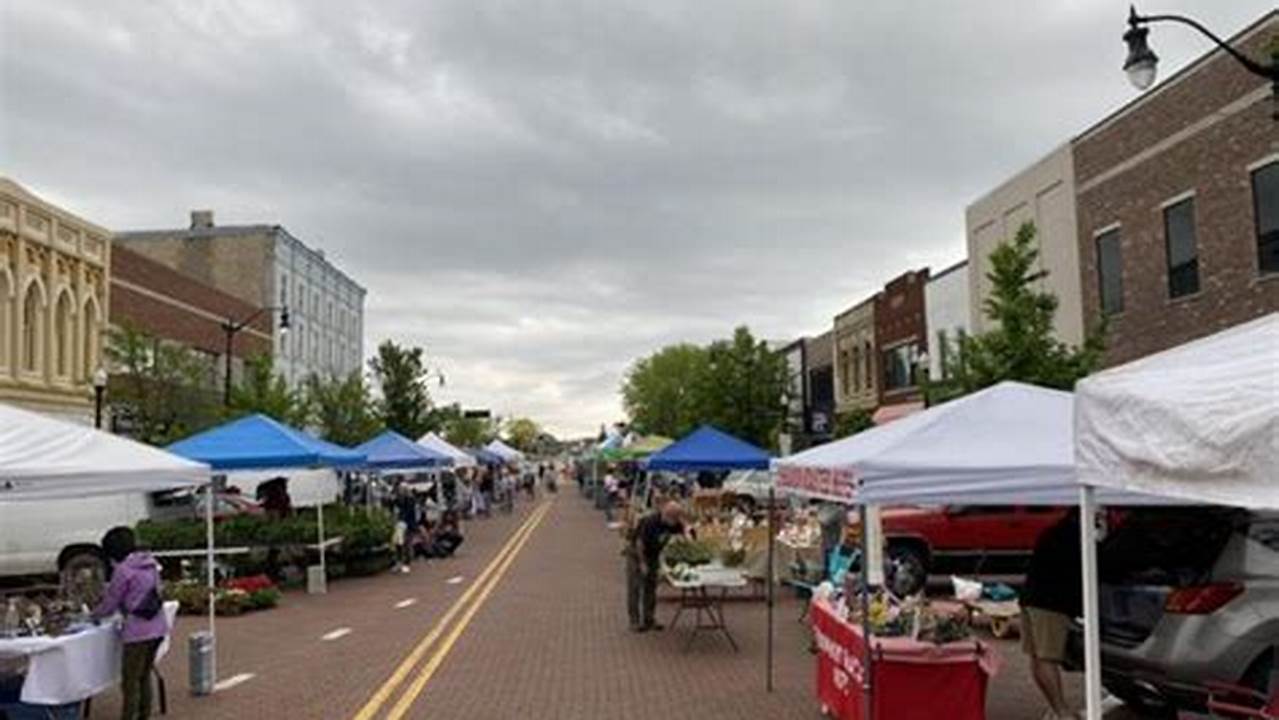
{"x": 487, "y": 457}
{"x": 391, "y": 450}
{"x": 709, "y": 449}
{"x": 258, "y": 441}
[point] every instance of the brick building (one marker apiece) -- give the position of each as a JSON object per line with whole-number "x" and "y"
{"x": 1178, "y": 205}
{"x": 154, "y": 298}
{"x": 901, "y": 339}
{"x": 266, "y": 266}
{"x": 856, "y": 377}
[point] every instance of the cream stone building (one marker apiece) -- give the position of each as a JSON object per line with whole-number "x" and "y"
{"x": 856, "y": 374}
{"x": 53, "y": 304}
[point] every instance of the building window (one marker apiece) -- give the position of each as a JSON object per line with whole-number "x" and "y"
{"x": 1183, "y": 251}
{"x": 1265, "y": 199}
{"x": 6, "y": 320}
{"x": 284, "y": 291}
{"x": 843, "y": 372}
{"x": 1110, "y": 279}
{"x": 899, "y": 367}
{"x": 868, "y": 357}
{"x": 62, "y": 337}
{"x": 32, "y": 310}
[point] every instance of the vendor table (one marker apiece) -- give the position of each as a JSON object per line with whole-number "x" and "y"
{"x": 911, "y": 680}
{"x": 75, "y": 667}
{"x": 704, "y": 595}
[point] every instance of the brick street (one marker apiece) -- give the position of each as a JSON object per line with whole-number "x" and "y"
{"x": 549, "y": 642}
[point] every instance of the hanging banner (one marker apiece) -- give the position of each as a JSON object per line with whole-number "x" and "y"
{"x": 833, "y": 484}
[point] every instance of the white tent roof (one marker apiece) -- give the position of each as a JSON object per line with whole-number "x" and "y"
{"x": 1198, "y": 422}
{"x": 432, "y": 441}
{"x": 497, "y": 447}
{"x": 44, "y": 458}
{"x": 1008, "y": 444}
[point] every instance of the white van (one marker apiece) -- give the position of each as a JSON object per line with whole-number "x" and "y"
{"x": 45, "y": 536}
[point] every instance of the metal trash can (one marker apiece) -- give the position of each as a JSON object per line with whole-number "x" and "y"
{"x": 200, "y": 649}
{"x": 316, "y": 582}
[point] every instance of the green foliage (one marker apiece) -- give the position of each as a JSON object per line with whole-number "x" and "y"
{"x": 469, "y": 432}
{"x": 659, "y": 392}
{"x": 262, "y": 390}
{"x": 342, "y": 409}
{"x": 851, "y": 423}
{"x": 160, "y": 392}
{"x": 523, "y": 434}
{"x": 688, "y": 552}
{"x": 401, "y": 375}
{"x": 738, "y": 385}
{"x": 1020, "y": 346}
{"x": 362, "y": 530}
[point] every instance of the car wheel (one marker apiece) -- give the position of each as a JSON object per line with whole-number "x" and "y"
{"x": 1258, "y": 675}
{"x": 906, "y": 572}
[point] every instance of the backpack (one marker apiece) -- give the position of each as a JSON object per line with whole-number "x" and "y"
{"x": 149, "y": 606}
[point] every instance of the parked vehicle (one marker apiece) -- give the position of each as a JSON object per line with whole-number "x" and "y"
{"x": 48, "y": 536}
{"x": 961, "y": 540}
{"x": 1189, "y": 597}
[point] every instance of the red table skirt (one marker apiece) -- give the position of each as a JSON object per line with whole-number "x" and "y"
{"x": 911, "y": 680}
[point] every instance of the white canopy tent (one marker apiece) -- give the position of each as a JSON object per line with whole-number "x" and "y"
{"x": 42, "y": 458}
{"x": 504, "y": 451}
{"x": 1009, "y": 443}
{"x": 1199, "y": 422}
{"x": 461, "y": 458}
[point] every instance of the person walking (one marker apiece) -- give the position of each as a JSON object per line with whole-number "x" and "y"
{"x": 134, "y": 593}
{"x": 1050, "y": 599}
{"x": 643, "y": 553}
{"x": 611, "y": 488}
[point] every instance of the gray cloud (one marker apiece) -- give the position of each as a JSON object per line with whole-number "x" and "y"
{"x": 541, "y": 191}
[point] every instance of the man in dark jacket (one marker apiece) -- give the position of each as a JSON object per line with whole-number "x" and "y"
{"x": 643, "y": 553}
{"x": 1052, "y": 597}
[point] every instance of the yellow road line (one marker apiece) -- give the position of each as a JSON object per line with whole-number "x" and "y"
{"x": 410, "y": 695}
{"x": 379, "y": 698}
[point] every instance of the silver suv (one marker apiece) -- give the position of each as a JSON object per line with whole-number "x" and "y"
{"x": 1189, "y": 596}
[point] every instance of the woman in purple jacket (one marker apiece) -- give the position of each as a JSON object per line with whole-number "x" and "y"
{"x": 134, "y": 592}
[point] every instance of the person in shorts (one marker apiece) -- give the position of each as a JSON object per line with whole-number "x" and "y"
{"x": 1051, "y": 598}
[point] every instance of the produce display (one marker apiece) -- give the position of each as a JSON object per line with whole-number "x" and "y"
{"x": 914, "y": 617}
{"x": 688, "y": 552}
{"x": 26, "y": 617}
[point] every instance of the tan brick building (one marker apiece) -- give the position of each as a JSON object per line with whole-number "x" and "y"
{"x": 856, "y": 367}
{"x": 170, "y": 306}
{"x": 54, "y": 269}
{"x": 1178, "y": 205}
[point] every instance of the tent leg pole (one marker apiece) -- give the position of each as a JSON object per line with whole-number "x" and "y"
{"x": 324, "y": 572}
{"x": 209, "y": 573}
{"x": 1092, "y": 617}
{"x": 868, "y": 685}
{"x": 771, "y": 580}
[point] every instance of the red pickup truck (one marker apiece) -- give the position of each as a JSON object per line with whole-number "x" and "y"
{"x": 961, "y": 540}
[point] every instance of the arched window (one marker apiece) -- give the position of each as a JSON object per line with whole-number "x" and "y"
{"x": 869, "y": 356}
{"x": 90, "y": 340}
{"x": 32, "y": 327}
{"x": 62, "y": 336}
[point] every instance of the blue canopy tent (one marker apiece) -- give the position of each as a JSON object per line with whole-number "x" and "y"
{"x": 258, "y": 442}
{"x": 707, "y": 448}
{"x": 391, "y": 452}
{"x": 487, "y": 457}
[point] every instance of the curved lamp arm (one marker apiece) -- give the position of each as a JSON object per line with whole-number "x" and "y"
{"x": 1270, "y": 72}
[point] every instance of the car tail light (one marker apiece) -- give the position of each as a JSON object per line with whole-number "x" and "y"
{"x": 1201, "y": 599}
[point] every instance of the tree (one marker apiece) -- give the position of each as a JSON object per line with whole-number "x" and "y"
{"x": 261, "y": 390}
{"x": 743, "y": 388}
{"x": 1020, "y": 344}
{"x": 401, "y": 376}
{"x": 160, "y": 392}
{"x": 470, "y": 431}
{"x": 659, "y": 391}
{"x": 342, "y": 409}
{"x": 738, "y": 385}
{"x": 523, "y": 434}
{"x": 853, "y": 422}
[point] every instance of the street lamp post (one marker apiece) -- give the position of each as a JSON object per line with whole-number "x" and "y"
{"x": 231, "y": 328}
{"x": 1141, "y": 63}
{"x": 99, "y": 392}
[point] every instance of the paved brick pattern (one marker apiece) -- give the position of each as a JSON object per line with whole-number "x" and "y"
{"x": 549, "y": 643}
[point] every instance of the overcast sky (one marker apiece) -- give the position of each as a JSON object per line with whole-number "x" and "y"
{"x": 539, "y": 192}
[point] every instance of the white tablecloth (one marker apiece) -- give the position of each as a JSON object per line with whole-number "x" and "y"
{"x": 75, "y": 667}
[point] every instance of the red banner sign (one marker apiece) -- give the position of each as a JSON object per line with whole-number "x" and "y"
{"x": 836, "y": 484}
